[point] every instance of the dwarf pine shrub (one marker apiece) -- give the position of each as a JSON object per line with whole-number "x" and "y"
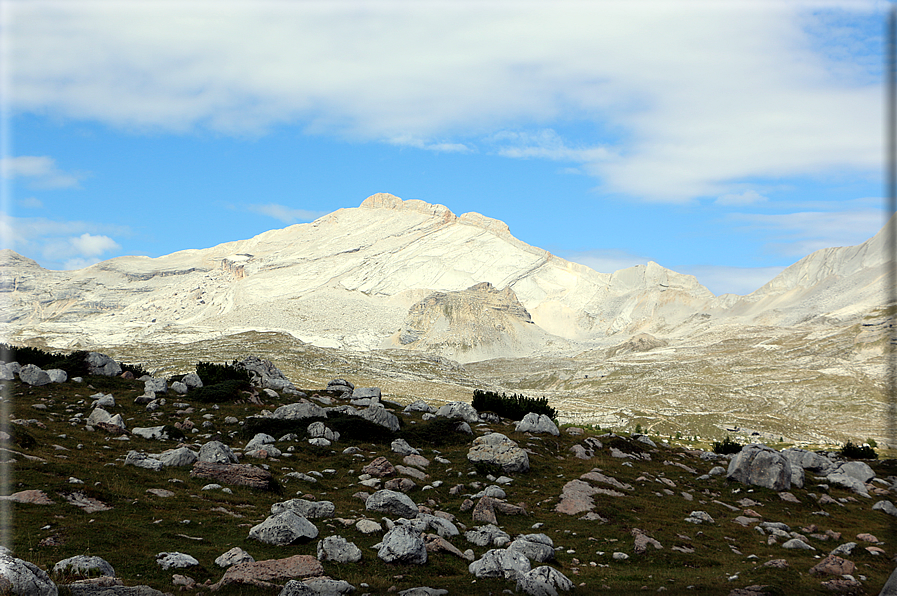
{"x": 726, "y": 446}
{"x": 212, "y": 374}
{"x": 853, "y": 451}
{"x": 514, "y": 406}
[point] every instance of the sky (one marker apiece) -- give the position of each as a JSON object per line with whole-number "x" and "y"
{"x": 722, "y": 139}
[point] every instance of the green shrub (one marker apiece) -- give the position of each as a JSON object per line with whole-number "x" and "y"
{"x": 852, "y": 451}
{"x": 872, "y": 443}
{"x": 727, "y": 446}
{"x": 514, "y": 407}
{"x": 136, "y": 369}
{"x": 212, "y": 374}
{"x": 74, "y": 364}
{"x": 220, "y": 392}
{"x": 436, "y": 433}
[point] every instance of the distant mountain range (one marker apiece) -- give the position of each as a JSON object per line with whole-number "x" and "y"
{"x": 411, "y": 275}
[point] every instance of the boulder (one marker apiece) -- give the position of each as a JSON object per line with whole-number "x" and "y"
{"x": 377, "y": 414}
{"x": 885, "y": 506}
{"x": 21, "y": 578}
{"x": 537, "y": 423}
{"x": 179, "y": 457}
{"x": 100, "y": 364}
{"x": 402, "y": 447}
{"x": 459, "y": 409}
{"x": 497, "y": 449}
{"x": 265, "y": 375}
{"x": 6, "y": 373}
{"x": 217, "y": 452}
{"x": 175, "y": 561}
{"x": 297, "y": 588}
{"x": 236, "y": 474}
{"x": 508, "y": 564}
{"x": 151, "y": 432}
{"x": 372, "y": 394}
{"x": 338, "y": 550}
{"x": 760, "y": 465}
{"x": 179, "y": 387}
{"x": 308, "y": 509}
{"x": 155, "y": 385}
{"x": 488, "y": 535}
{"x": 341, "y": 385}
{"x": 284, "y": 528}
{"x": 234, "y": 556}
{"x": 393, "y": 503}
{"x": 192, "y": 380}
{"x": 890, "y": 587}
{"x": 543, "y": 581}
{"x": 57, "y": 375}
{"x": 84, "y": 566}
{"x": 856, "y": 469}
{"x": 419, "y": 406}
{"x": 379, "y": 468}
{"x": 808, "y": 460}
{"x": 325, "y": 586}
{"x": 535, "y": 547}
{"x": 403, "y": 544}
{"x": 142, "y": 460}
{"x": 263, "y": 573}
{"x": 833, "y": 565}
{"x": 103, "y": 401}
{"x": 299, "y": 411}
{"x": 842, "y": 479}
{"x": 317, "y": 430}
{"x": 34, "y": 376}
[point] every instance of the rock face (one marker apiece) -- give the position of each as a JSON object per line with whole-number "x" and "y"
{"x": 21, "y": 578}
{"x": 284, "y": 528}
{"x": 403, "y": 544}
{"x": 497, "y": 449}
{"x": 100, "y": 364}
{"x": 762, "y": 466}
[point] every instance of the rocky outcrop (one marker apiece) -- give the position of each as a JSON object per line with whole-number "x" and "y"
{"x": 537, "y": 423}
{"x": 762, "y": 466}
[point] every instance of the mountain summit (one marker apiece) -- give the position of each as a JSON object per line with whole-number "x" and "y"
{"x": 384, "y": 275}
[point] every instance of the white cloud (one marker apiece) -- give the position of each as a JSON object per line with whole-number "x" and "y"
{"x": 606, "y": 261}
{"x": 799, "y": 234}
{"x": 40, "y": 171}
{"x": 287, "y": 215}
{"x": 733, "y": 280}
{"x": 695, "y": 97}
{"x": 31, "y": 203}
{"x": 748, "y": 197}
{"x": 61, "y": 244}
{"x": 545, "y": 144}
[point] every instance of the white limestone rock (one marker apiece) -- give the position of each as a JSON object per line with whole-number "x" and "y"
{"x": 175, "y": 560}
{"x": 217, "y": 452}
{"x": 284, "y": 528}
{"x": 760, "y": 465}
{"x": 234, "y": 556}
{"x": 21, "y": 578}
{"x": 34, "y": 376}
{"x": 338, "y": 550}
{"x": 537, "y": 423}
{"x": 83, "y": 565}
{"x": 497, "y": 449}
{"x": 504, "y": 563}
{"x": 459, "y": 409}
{"x": 393, "y": 503}
{"x": 403, "y": 544}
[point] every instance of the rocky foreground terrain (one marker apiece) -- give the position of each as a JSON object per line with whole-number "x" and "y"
{"x": 152, "y": 485}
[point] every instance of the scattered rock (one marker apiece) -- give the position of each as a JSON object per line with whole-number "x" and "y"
{"x": 508, "y": 564}
{"x": 459, "y": 409}
{"x": 537, "y": 423}
{"x": 497, "y": 449}
{"x": 84, "y": 566}
{"x": 760, "y": 465}
{"x": 263, "y": 573}
{"x": 236, "y": 474}
{"x": 22, "y": 578}
{"x": 403, "y": 544}
{"x": 393, "y": 503}
{"x": 284, "y": 528}
{"x": 234, "y": 556}
{"x": 339, "y": 550}
{"x": 175, "y": 561}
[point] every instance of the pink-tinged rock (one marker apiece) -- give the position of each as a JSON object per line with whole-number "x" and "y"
{"x": 833, "y": 565}
{"x": 236, "y": 474}
{"x": 379, "y": 468}
{"x": 160, "y": 492}
{"x": 484, "y": 511}
{"x": 264, "y": 574}
{"x": 400, "y": 484}
{"x": 847, "y": 586}
{"x": 576, "y": 498}
{"x": 416, "y": 460}
{"x": 33, "y": 496}
{"x": 643, "y": 541}
{"x": 788, "y": 497}
{"x": 437, "y": 544}
{"x": 413, "y": 472}
{"x": 866, "y": 537}
{"x": 874, "y": 550}
{"x": 776, "y": 563}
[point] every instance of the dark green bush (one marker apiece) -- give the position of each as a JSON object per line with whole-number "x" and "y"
{"x": 436, "y": 432}
{"x": 212, "y": 374}
{"x": 136, "y": 369}
{"x": 514, "y": 406}
{"x": 853, "y": 451}
{"x": 74, "y": 363}
{"x": 220, "y": 392}
{"x": 727, "y": 446}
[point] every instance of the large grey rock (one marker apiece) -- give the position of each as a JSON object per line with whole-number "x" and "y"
{"x": 808, "y": 460}
{"x": 264, "y": 374}
{"x": 403, "y": 544}
{"x": 21, "y": 578}
{"x": 151, "y": 432}
{"x": 142, "y": 460}
{"x": 760, "y": 465}
{"x": 885, "y": 506}
{"x": 100, "y": 364}
{"x": 543, "y": 581}
{"x": 175, "y": 560}
{"x": 192, "y": 380}
{"x": 216, "y": 452}
{"x": 536, "y": 547}
{"x": 372, "y": 394}
{"x": 440, "y": 525}
{"x": 318, "y": 430}
{"x": 338, "y": 549}
{"x": 393, "y": 503}
{"x": 537, "y": 423}
{"x": 488, "y": 535}
{"x": 259, "y": 441}
{"x": 459, "y": 409}
{"x": 797, "y": 475}
{"x": 377, "y": 414}
{"x": 856, "y": 469}
{"x": 890, "y": 587}
{"x": 179, "y": 387}
{"x": 284, "y": 528}
{"x": 157, "y": 386}
{"x": 234, "y": 556}
{"x": 308, "y": 509}
{"x": 104, "y": 401}
{"x": 324, "y": 586}
{"x": 57, "y": 375}
{"x": 346, "y": 387}
{"x": 402, "y": 447}
{"x": 497, "y": 449}
{"x": 841, "y": 479}
{"x": 299, "y": 411}
{"x": 419, "y": 406}
{"x": 34, "y": 376}
{"x": 182, "y": 456}
{"x": 296, "y": 588}
{"x": 83, "y": 565}
{"x": 508, "y": 564}
{"x": 98, "y": 415}
{"x": 6, "y": 373}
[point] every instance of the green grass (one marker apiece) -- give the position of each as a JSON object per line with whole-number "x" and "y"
{"x": 139, "y": 525}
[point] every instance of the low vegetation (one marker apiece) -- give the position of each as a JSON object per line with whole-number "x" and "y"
{"x": 514, "y": 407}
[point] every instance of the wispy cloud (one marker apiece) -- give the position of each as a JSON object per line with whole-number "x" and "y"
{"x": 700, "y": 96}
{"x": 287, "y": 215}
{"x": 31, "y": 203}
{"x": 60, "y": 244}
{"x": 748, "y": 197}
{"x": 40, "y": 172}
{"x": 799, "y": 234}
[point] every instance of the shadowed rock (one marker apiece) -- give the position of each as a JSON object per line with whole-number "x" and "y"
{"x": 760, "y": 465}
{"x": 236, "y": 474}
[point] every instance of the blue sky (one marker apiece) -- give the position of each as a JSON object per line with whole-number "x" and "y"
{"x": 722, "y": 139}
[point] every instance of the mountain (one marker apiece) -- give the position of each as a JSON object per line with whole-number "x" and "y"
{"x": 410, "y": 275}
